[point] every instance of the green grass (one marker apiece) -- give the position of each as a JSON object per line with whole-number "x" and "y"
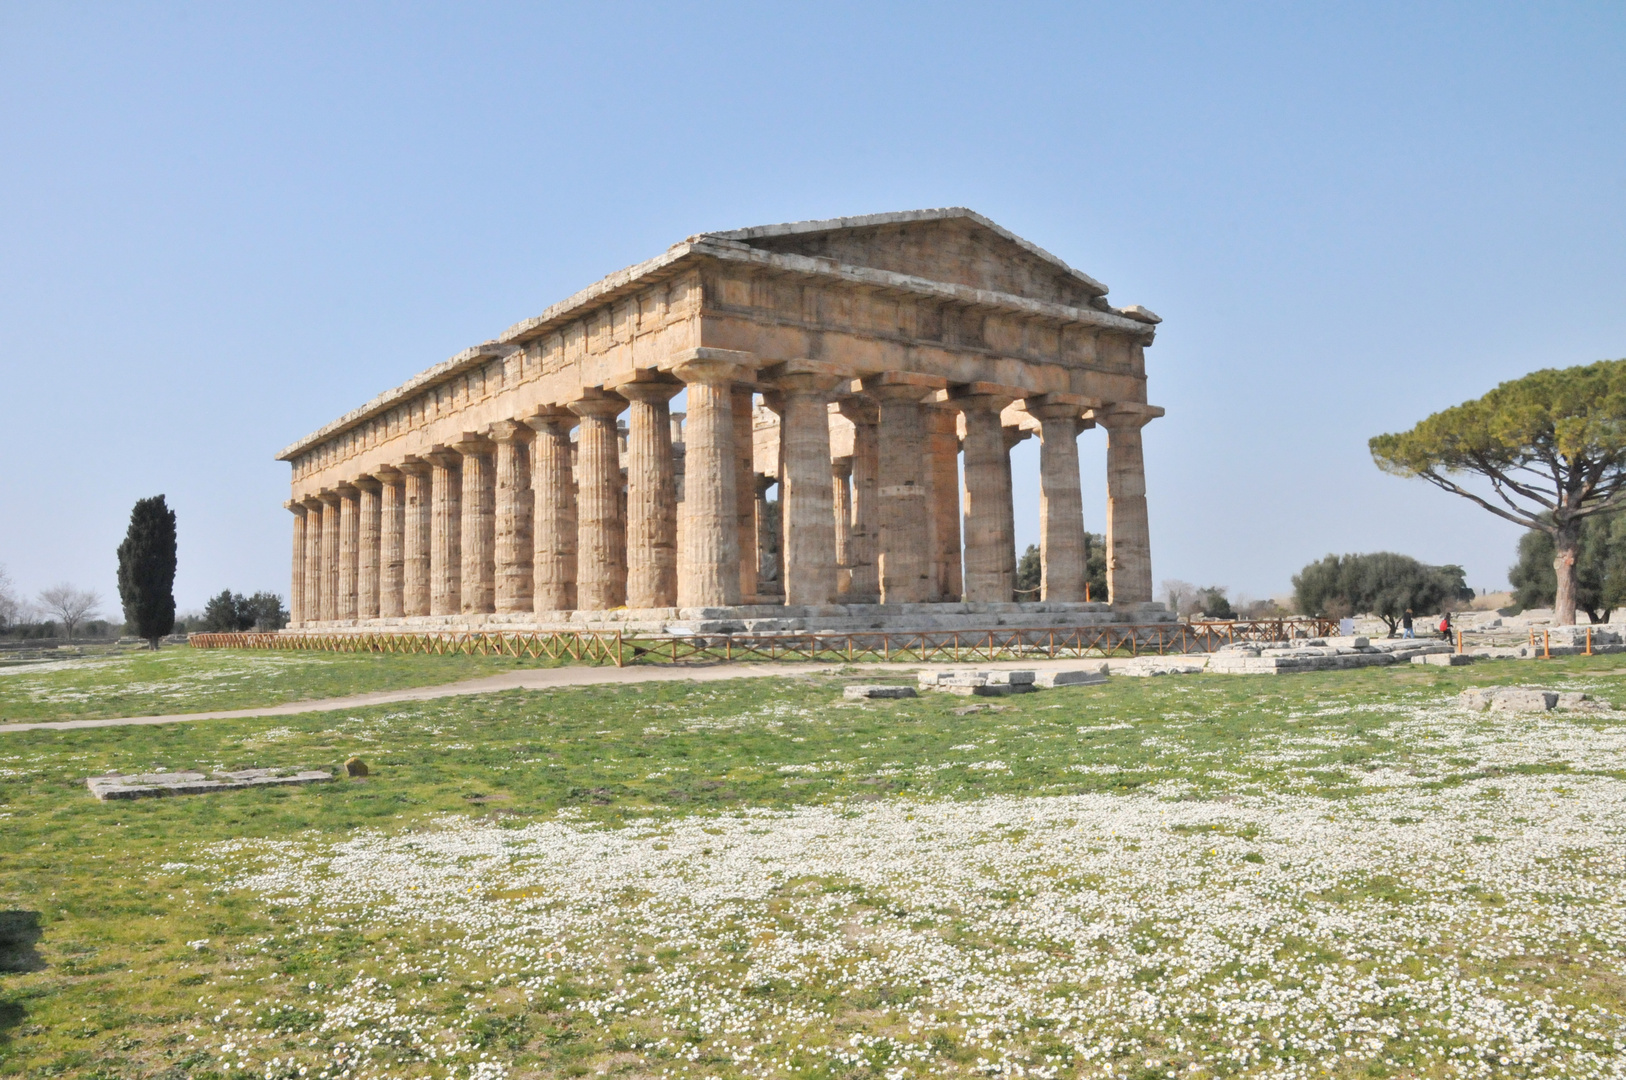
{"x": 179, "y": 679}
{"x": 114, "y": 988}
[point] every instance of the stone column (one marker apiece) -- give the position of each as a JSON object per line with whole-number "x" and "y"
{"x": 515, "y": 554}
{"x": 553, "y": 521}
{"x": 313, "y": 559}
{"x": 905, "y": 555}
{"x": 1012, "y": 435}
{"x": 864, "y": 586}
{"x": 601, "y": 545}
{"x": 1129, "y": 538}
{"x": 1061, "y": 503}
{"x": 841, "y": 472}
{"x": 769, "y": 581}
{"x": 445, "y": 532}
{"x": 651, "y": 495}
{"x": 989, "y": 518}
{"x": 330, "y": 555}
{"x": 349, "y": 549}
{"x": 391, "y": 542}
{"x": 296, "y": 586}
{"x": 478, "y": 575}
{"x": 942, "y": 466}
{"x": 805, "y": 493}
{"x": 367, "y": 547}
{"x": 745, "y": 488}
{"x": 708, "y": 565}
{"x": 417, "y": 537}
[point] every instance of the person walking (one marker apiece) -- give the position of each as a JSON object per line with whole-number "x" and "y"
{"x": 1405, "y": 624}
{"x": 1445, "y": 626}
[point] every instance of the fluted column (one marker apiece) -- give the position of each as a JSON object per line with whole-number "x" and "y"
{"x": 1061, "y": 503}
{"x": 330, "y": 555}
{"x": 601, "y": 551}
{"x": 905, "y": 556}
{"x": 367, "y": 546}
{"x": 651, "y": 495}
{"x": 391, "y": 542}
{"x": 445, "y": 531}
{"x": 1129, "y": 538}
{"x": 708, "y": 565}
{"x": 553, "y": 520}
{"x": 417, "y": 537}
{"x": 841, "y": 472}
{"x": 349, "y": 549}
{"x": 942, "y": 468}
{"x": 296, "y": 587}
{"x": 478, "y": 575}
{"x": 515, "y": 555}
{"x": 989, "y": 544}
{"x": 864, "y": 586}
{"x": 1011, "y": 434}
{"x": 313, "y": 559}
{"x": 805, "y": 496}
{"x": 745, "y": 487}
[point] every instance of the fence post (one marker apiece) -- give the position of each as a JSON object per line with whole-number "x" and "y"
{"x": 1459, "y": 642}
{"x": 1589, "y": 641}
{"x": 1547, "y": 644}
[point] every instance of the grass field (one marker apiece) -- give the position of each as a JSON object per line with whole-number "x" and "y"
{"x": 178, "y": 679}
{"x": 1338, "y": 875}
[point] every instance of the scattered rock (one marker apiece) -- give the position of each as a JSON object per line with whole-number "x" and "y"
{"x": 1079, "y": 677}
{"x": 863, "y": 693}
{"x": 1508, "y": 699}
{"x": 355, "y": 767}
{"x": 1443, "y": 659}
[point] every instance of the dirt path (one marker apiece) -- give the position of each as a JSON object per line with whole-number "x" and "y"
{"x": 534, "y": 679}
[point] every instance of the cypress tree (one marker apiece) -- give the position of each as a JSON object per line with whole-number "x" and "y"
{"x": 147, "y": 570}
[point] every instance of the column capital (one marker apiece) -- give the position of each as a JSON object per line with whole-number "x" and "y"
{"x": 472, "y": 442}
{"x": 708, "y": 365}
{"x": 1060, "y": 406}
{"x": 842, "y": 466}
{"x": 981, "y": 396}
{"x": 548, "y": 417}
{"x": 444, "y": 456}
{"x": 312, "y": 502}
{"x": 413, "y": 465}
{"x": 346, "y": 489}
{"x": 859, "y": 409}
{"x": 902, "y": 386}
{"x": 329, "y": 497}
{"x": 388, "y": 474}
{"x": 1014, "y": 434}
{"x": 366, "y": 482}
{"x": 652, "y": 393}
{"x": 510, "y": 430}
{"x": 294, "y": 506}
{"x": 1122, "y": 415}
{"x": 597, "y": 402}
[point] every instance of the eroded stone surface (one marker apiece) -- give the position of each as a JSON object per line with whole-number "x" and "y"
{"x": 148, "y": 785}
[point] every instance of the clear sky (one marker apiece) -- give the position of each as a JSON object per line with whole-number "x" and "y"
{"x": 222, "y": 225}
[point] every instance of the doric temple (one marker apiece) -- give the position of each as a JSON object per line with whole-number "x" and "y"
{"x": 877, "y": 369}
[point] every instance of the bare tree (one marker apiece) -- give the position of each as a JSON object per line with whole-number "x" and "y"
{"x": 1181, "y": 596}
{"x": 70, "y": 604}
{"x": 11, "y": 605}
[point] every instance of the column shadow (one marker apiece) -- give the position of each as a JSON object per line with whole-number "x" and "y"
{"x": 19, "y": 931}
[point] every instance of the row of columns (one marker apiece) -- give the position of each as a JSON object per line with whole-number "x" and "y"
{"x": 505, "y": 522}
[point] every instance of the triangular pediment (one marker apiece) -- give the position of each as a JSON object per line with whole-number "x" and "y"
{"x": 953, "y": 245}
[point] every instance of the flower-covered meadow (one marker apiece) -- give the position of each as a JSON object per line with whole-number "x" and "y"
{"x": 1342, "y": 875}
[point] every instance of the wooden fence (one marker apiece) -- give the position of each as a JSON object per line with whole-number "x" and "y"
{"x": 953, "y": 646}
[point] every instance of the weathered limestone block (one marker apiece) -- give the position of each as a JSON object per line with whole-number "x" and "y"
{"x": 1081, "y": 677}
{"x": 150, "y": 785}
{"x": 1443, "y": 659}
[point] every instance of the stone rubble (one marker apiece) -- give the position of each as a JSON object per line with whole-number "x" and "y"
{"x": 874, "y": 692}
{"x": 1525, "y": 699}
{"x": 1320, "y": 654}
{"x": 148, "y": 785}
{"x": 1001, "y": 683}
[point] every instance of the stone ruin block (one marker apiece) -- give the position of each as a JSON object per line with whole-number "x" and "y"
{"x": 150, "y": 785}
{"x": 875, "y": 692}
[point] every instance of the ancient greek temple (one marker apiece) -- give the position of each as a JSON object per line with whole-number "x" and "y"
{"x": 876, "y": 370}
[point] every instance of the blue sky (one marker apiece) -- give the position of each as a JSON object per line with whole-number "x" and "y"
{"x": 224, "y": 225}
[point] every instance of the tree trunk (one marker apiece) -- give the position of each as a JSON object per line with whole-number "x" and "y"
{"x": 1566, "y": 542}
